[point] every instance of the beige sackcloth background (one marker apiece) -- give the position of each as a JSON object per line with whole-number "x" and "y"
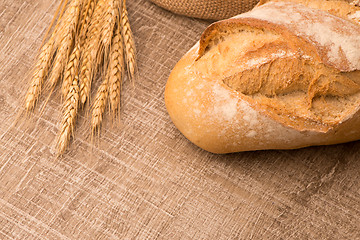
{"x": 144, "y": 180}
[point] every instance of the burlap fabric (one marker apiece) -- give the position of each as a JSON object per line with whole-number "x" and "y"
{"x": 144, "y": 180}
{"x": 207, "y": 9}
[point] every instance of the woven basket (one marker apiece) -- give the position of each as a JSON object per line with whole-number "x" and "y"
{"x": 207, "y": 9}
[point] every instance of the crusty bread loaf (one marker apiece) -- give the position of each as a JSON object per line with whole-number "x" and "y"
{"x": 285, "y": 75}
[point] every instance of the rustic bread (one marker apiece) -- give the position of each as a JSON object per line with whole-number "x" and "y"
{"x": 285, "y": 75}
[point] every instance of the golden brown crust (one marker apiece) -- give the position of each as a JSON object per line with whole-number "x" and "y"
{"x": 339, "y": 8}
{"x": 252, "y": 129}
{"x": 338, "y": 19}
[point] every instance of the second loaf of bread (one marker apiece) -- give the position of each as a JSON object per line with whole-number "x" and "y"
{"x": 284, "y": 75}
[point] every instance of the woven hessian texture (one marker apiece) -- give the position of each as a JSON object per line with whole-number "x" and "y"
{"x": 143, "y": 179}
{"x": 207, "y": 9}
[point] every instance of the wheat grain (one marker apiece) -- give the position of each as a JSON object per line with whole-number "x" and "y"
{"x": 111, "y": 14}
{"x": 69, "y": 117}
{"x": 39, "y": 74}
{"x": 85, "y": 19}
{"x": 85, "y": 78}
{"x": 116, "y": 69}
{"x": 89, "y": 58}
{"x": 99, "y": 105}
{"x": 128, "y": 42}
{"x": 66, "y": 34}
{"x": 71, "y": 70}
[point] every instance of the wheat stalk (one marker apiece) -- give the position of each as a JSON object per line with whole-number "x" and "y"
{"x": 99, "y": 105}
{"x": 128, "y": 42}
{"x": 116, "y": 69}
{"x": 85, "y": 32}
{"x": 89, "y": 58}
{"x": 69, "y": 116}
{"x": 40, "y": 71}
{"x": 67, "y": 32}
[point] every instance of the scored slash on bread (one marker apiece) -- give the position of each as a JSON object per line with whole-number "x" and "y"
{"x": 284, "y": 75}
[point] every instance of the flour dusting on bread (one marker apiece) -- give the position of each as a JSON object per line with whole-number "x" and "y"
{"x": 355, "y": 16}
{"x": 224, "y": 105}
{"x": 337, "y": 37}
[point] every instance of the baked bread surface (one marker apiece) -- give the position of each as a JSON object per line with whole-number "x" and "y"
{"x": 284, "y": 75}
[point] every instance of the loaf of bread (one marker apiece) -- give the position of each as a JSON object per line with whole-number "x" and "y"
{"x": 285, "y": 75}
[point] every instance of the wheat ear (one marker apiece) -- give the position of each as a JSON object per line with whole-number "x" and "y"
{"x": 39, "y": 74}
{"x": 66, "y": 32}
{"x": 70, "y": 111}
{"x": 88, "y": 60}
{"x": 111, "y": 13}
{"x": 85, "y": 19}
{"x": 99, "y": 105}
{"x": 88, "y": 7}
{"x": 44, "y": 61}
{"x": 128, "y": 42}
{"x": 116, "y": 69}
{"x": 71, "y": 70}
